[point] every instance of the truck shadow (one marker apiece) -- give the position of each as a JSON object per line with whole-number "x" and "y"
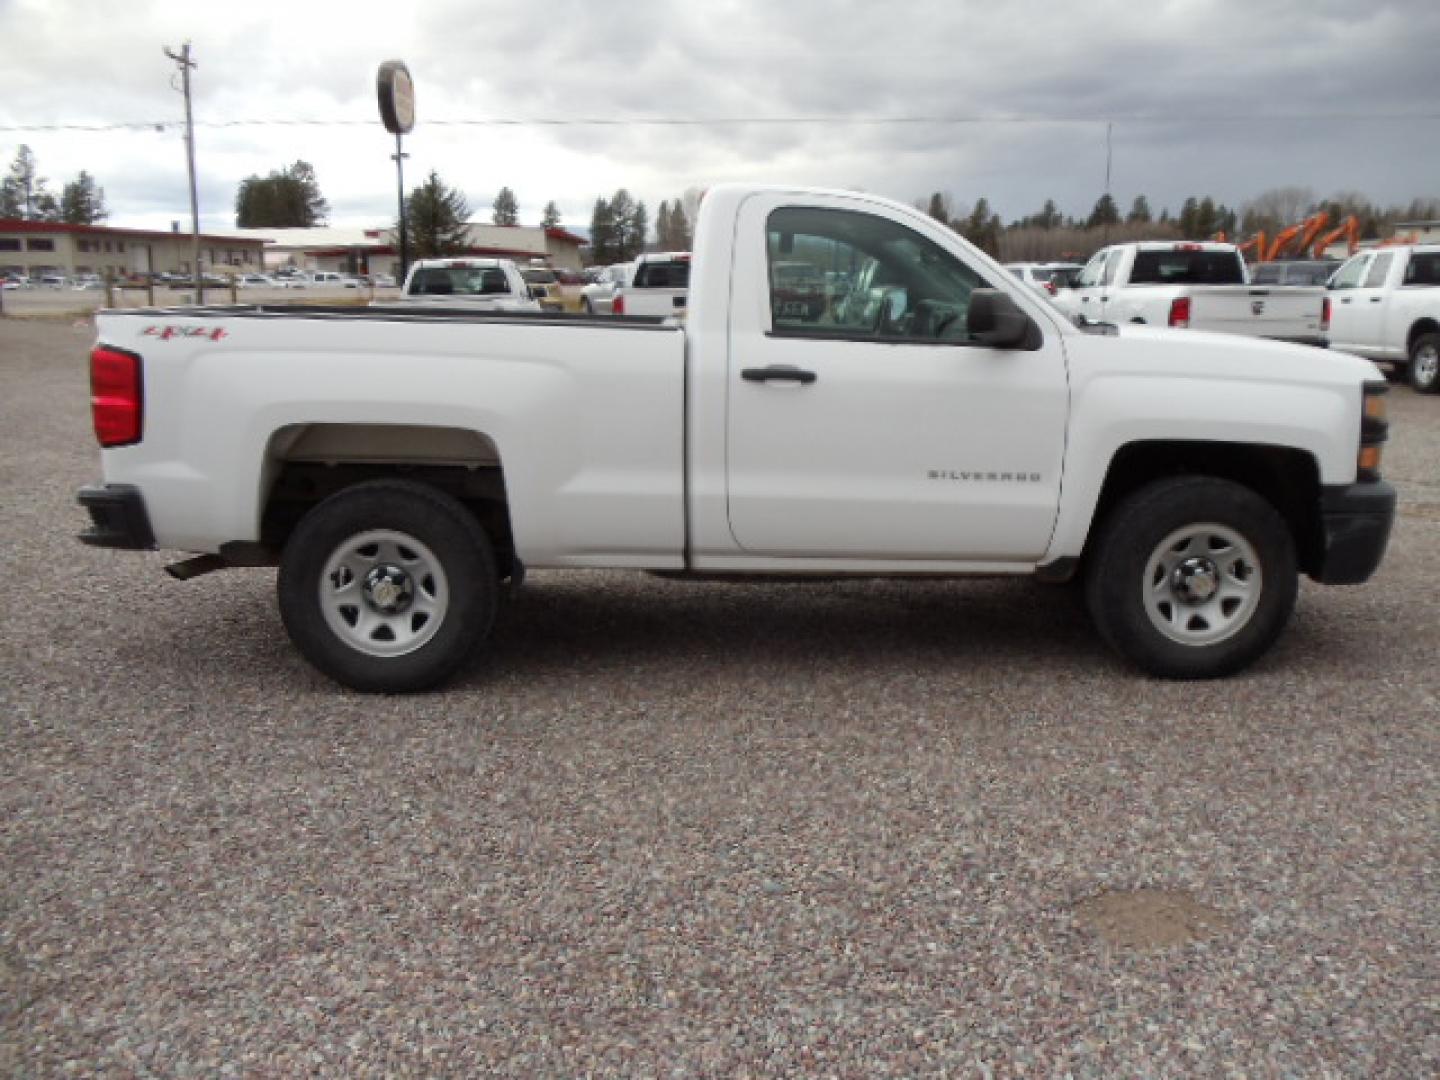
{"x": 563, "y": 622}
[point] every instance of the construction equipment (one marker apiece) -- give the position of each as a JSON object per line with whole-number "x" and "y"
{"x": 1348, "y": 230}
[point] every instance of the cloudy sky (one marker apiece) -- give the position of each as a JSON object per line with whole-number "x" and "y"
{"x": 1008, "y": 99}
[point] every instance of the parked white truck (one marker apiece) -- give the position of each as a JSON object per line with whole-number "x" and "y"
{"x": 475, "y": 284}
{"x": 1385, "y": 305}
{"x": 658, "y": 285}
{"x": 400, "y": 464}
{"x": 1190, "y": 285}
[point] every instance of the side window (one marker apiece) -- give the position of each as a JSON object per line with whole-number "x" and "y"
{"x": 1379, "y": 271}
{"x": 1090, "y": 276}
{"x": 840, "y": 273}
{"x": 1351, "y": 274}
{"x": 1112, "y": 266}
{"x": 1423, "y": 268}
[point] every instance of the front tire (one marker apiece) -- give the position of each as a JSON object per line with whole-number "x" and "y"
{"x": 1192, "y": 577}
{"x": 1425, "y": 363}
{"x": 388, "y": 586}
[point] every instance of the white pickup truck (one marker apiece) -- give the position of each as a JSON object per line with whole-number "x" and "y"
{"x": 1385, "y": 305}
{"x": 474, "y": 284}
{"x": 1190, "y": 285}
{"x": 658, "y": 285}
{"x": 400, "y": 465}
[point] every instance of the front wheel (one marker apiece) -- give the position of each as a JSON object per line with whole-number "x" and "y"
{"x": 1425, "y": 363}
{"x": 1192, "y": 577}
{"x": 388, "y": 586}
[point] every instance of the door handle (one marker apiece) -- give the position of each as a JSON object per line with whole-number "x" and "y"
{"x": 1374, "y": 299}
{"x": 778, "y": 373}
{"x": 1084, "y": 299}
{"x": 1345, "y": 300}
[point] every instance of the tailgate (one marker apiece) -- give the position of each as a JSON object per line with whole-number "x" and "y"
{"x": 656, "y": 302}
{"x": 1258, "y": 311}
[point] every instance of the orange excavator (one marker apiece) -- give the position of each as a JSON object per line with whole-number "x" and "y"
{"x": 1349, "y": 231}
{"x": 1256, "y": 244}
{"x": 1306, "y": 231}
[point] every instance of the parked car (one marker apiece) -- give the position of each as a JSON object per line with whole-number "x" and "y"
{"x": 398, "y": 469}
{"x": 1047, "y": 278}
{"x": 1294, "y": 272}
{"x": 255, "y": 281}
{"x": 1385, "y": 305}
{"x": 598, "y": 297}
{"x": 479, "y": 284}
{"x": 797, "y": 289}
{"x": 660, "y": 285}
{"x": 54, "y": 281}
{"x": 87, "y": 281}
{"x": 1190, "y": 285}
{"x": 544, "y": 287}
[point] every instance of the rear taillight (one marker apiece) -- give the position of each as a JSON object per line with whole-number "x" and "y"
{"x": 1325, "y": 313}
{"x": 117, "y": 399}
{"x": 1180, "y": 312}
{"x": 1050, "y": 287}
{"x": 619, "y": 306}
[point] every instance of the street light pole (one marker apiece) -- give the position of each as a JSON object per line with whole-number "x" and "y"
{"x": 399, "y": 157}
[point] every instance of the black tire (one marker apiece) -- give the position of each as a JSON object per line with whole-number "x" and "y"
{"x": 408, "y": 535}
{"x": 1425, "y": 363}
{"x": 1155, "y": 557}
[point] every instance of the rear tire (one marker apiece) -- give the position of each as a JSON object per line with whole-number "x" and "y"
{"x": 388, "y": 586}
{"x": 1192, "y": 577}
{"x": 1425, "y": 363}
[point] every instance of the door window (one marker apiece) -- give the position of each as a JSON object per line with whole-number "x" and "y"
{"x": 1379, "y": 270}
{"x": 1351, "y": 274}
{"x": 843, "y": 274}
{"x": 1094, "y": 269}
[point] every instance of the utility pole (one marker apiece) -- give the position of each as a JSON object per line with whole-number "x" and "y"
{"x": 1109, "y": 127}
{"x": 186, "y": 64}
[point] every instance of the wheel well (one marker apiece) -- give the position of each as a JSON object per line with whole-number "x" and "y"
{"x": 1422, "y": 326}
{"x": 1287, "y": 478}
{"x": 307, "y": 463}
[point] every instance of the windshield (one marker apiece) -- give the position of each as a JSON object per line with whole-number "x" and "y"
{"x": 1187, "y": 268}
{"x": 663, "y": 275}
{"x": 459, "y": 281}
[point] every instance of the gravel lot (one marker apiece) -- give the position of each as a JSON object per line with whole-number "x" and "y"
{"x": 671, "y": 829}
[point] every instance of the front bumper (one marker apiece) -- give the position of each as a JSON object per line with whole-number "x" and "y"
{"x": 1357, "y": 520}
{"x": 117, "y": 517}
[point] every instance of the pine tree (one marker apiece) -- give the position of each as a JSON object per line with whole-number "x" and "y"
{"x": 23, "y": 193}
{"x": 1105, "y": 213}
{"x": 506, "y": 208}
{"x": 937, "y": 208}
{"x": 288, "y": 198}
{"x": 604, "y": 242}
{"x": 436, "y": 215}
{"x": 83, "y": 201}
{"x": 550, "y": 217}
{"x": 680, "y": 239}
{"x": 1139, "y": 211}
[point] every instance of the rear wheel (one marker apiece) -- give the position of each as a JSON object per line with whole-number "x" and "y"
{"x": 388, "y": 585}
{"x": 1425, "y": 363}
{"x": 1192, "y": 577}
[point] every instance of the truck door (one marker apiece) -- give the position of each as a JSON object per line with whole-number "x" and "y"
{"x": 1345, "y": 320}
{"x": 1367, "y": 304}
{"x": 878, "y": 429}
{"x": 1084, "y": 300}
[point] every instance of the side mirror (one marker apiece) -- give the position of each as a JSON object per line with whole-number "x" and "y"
{"x": 996, "y": 320}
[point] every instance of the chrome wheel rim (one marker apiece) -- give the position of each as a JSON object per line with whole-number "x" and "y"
{"x": 1427, "y": 364}
{"x": 1202, "y": 584}
{"x": 384, "y": 593}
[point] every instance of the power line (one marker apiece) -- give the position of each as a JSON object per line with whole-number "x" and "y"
{"x": 730, "y": 121}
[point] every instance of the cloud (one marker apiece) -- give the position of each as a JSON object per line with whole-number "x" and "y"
{"x": 1205, "y": 98}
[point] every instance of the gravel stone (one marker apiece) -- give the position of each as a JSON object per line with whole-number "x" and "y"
{"x": 676, "y": 829}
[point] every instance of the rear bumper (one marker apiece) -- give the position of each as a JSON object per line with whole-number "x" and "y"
{"x": 118, "y": 518}
{"x": 1357, "y": 519}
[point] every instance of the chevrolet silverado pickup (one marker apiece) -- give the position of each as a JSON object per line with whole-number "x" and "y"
{"x": 1386, "y": 306}
{"x": 403, "y": 466}
{"x": 1188, "y": 285}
